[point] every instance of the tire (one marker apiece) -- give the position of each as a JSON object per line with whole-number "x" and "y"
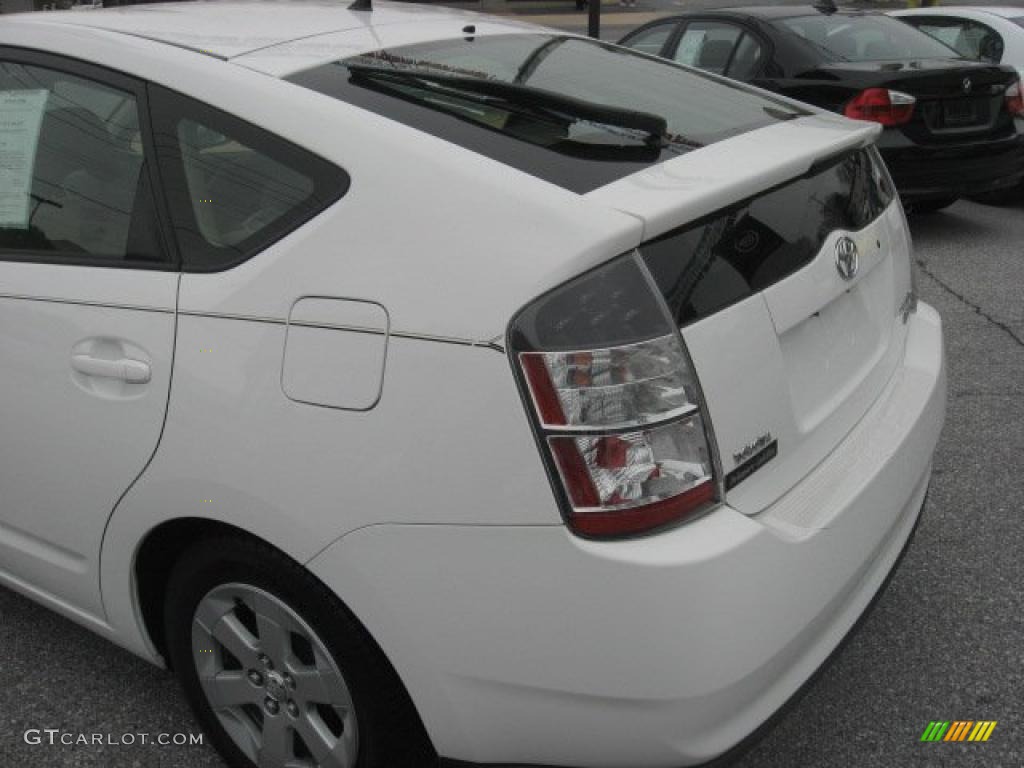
{"x": 931, "y": 206}
{"x": 1002, "y": 197}
{"x": 323, "y": 680}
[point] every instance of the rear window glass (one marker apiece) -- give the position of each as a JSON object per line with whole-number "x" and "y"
{"x": 574, "y": 111}
{"x": 704, "y": 267}
{"x": 866, "y": 38}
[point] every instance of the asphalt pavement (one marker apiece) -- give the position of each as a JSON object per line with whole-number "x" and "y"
{"x": 945, "y": 642}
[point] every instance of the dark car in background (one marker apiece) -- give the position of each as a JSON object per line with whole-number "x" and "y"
{"x": 952, "y": 127}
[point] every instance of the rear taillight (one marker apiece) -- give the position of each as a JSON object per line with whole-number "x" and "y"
{"x": 615, "y": 402}
{"x": 880, "y": 105}
{"x": 1015, "y": 99}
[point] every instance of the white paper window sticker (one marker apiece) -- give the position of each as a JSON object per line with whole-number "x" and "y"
{"x": 690, "y": 46}
{"x": 21, "y": 117}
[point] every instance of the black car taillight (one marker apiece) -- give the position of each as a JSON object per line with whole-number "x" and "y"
{"x": 1015, "y": 99}
{"x": 880, "y": 105}
{"x": 615, "y": 401}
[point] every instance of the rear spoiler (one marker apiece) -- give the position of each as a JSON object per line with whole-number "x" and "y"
{"x": 686, "y": 188}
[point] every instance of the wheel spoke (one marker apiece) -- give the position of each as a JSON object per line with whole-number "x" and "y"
{"x": 325, "y": 748}
{"x": 241, "y": 729}
{"x": 320, "y": 686}
{"x": 232, "y": 634}
{"x": 229, "y": 689}
{"x": 274, "y": 630}
{"x": 275, "y": 748}
{"x": 211, "y": 610}
{"x": 347, "y": 749}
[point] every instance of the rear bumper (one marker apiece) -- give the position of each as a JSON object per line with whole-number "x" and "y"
{"x": 526, "y": 645}
{"x": 929, "y": 173}
{"x": 728, "y": 759}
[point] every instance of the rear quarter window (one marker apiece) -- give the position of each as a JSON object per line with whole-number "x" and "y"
{"x": 234, "y": 189}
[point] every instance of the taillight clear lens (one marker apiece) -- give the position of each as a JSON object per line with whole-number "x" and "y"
{"x": 613, "y": 387}
{"x": 620, "y": 422}
{"x": 880, "y": 105}
{"x": 1015, "y": 99}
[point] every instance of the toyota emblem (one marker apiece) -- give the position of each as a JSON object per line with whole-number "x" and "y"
{"x": 846, "y": 258}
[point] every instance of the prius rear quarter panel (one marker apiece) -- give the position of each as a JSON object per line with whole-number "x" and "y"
{"x": 657, "y": 652}
{"x": 446, "y": 444}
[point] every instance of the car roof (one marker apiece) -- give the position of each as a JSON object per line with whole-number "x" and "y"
{"x": 792, "y": 11}
{"x": 1005, "y": 11}
{"x": 227, "y": 29}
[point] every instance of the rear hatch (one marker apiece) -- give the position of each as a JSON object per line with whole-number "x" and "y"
{"x": 742, "y": 197}
{"x": 955, "y": 99}
{"x": 790, "y": 352}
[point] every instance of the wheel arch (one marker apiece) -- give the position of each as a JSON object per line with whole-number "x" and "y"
{"x": 156, "y": 555}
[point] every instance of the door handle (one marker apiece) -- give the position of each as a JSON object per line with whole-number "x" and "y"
{"x": 125, "y": 369}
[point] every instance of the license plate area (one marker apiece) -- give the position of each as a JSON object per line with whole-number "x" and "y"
{"x": 829, "y": 355}
{"x": 962, "y": 114}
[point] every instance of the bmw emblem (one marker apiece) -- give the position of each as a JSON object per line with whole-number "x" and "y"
{"x": 846, "y": 258}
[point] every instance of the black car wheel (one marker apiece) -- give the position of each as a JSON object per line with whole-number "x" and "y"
{"x": 1002, "y": 197}
{"x": 930, "y": 206}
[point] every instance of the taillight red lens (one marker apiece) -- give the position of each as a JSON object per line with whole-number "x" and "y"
{"x": 621, "y": 477}
{"x": 880, "y": 105}
{"x": 648, "y": 517}
{"x": 620, "y": 422}
{"x": 1015, "y": 99}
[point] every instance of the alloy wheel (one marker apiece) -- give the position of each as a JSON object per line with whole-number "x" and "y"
{"x": 271, "y": 681}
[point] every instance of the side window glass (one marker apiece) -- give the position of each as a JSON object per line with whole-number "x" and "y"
{"x": 234, "y": 189}
{"x": 708, "y": 45}
{"x": 747, "y": 59}
{"x": 73, "y": 179}
{"x": 651, "y": 40}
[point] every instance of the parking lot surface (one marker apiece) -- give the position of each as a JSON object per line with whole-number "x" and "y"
{"x": 945, "y": 642}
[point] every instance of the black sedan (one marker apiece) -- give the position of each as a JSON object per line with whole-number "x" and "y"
{"x": 952, "y": 127}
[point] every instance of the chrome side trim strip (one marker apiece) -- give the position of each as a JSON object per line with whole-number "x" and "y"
{"x": 82, "y": 303}
{"x": 488, "y": 344}
{"x": 395, "y": 333}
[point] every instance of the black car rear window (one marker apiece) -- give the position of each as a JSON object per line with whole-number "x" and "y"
{"x": 866, "y": 37}
{"x": 573, "y": 111}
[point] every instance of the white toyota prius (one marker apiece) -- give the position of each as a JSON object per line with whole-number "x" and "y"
{"x": 425, "y": 387}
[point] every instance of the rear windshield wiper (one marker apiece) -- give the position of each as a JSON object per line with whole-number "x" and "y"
{"x": 524, "y": 97}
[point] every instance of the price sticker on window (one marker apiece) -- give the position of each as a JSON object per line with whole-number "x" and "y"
{"x": 21, "y": 116}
